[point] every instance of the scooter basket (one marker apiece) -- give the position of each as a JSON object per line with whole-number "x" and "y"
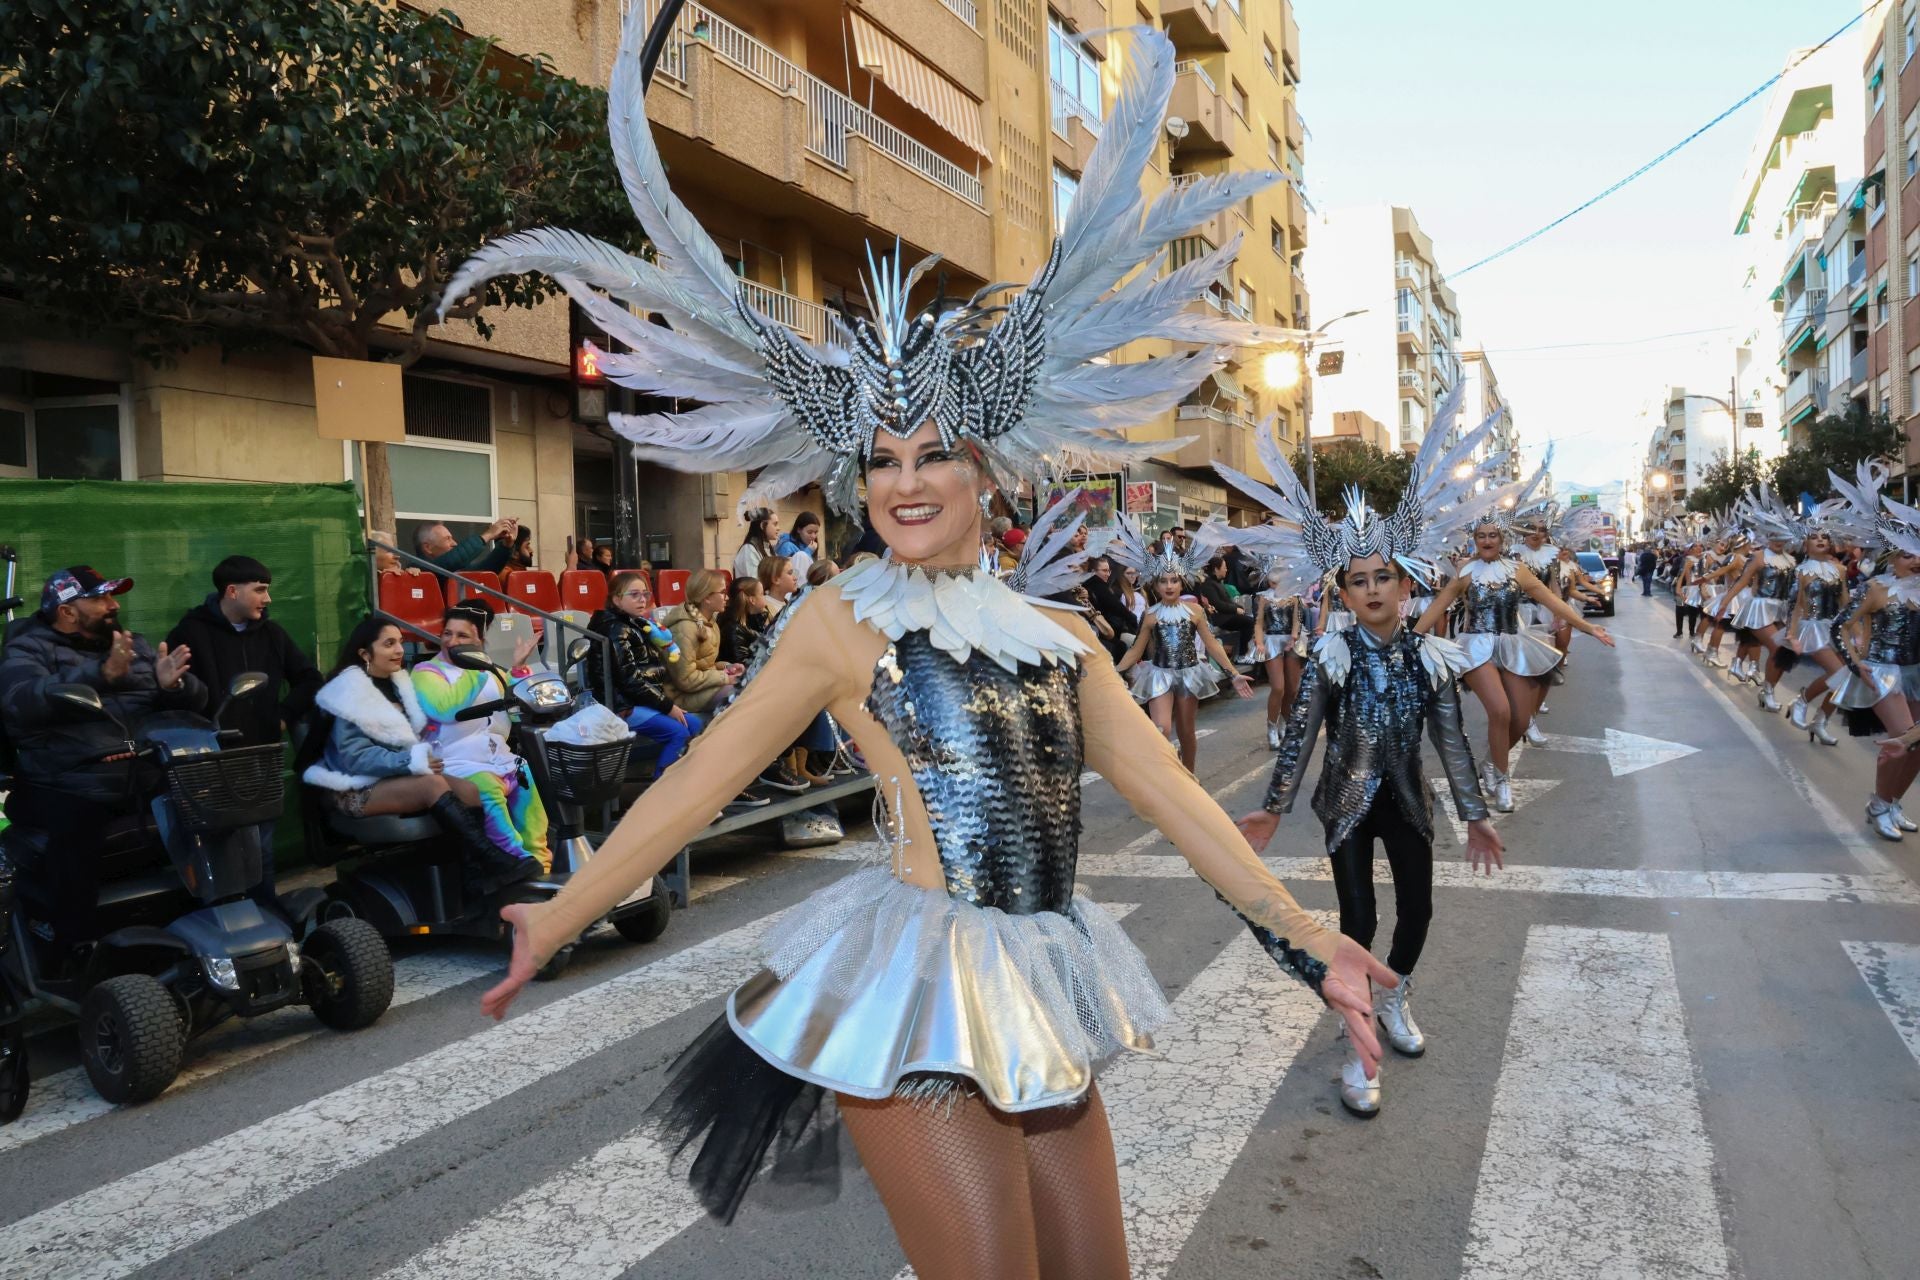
{"x": 239, "y": 787}
{"x": 588, "y": 775}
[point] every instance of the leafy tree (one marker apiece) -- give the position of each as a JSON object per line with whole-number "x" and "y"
{"x": 1837, "y": 442}
{"x": 1379, "y": 474}
{"x": 246, "y": 171}
{"x": 1725, "y": 479}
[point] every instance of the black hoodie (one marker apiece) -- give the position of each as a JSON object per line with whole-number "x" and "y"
{"x": 221, "y": 652}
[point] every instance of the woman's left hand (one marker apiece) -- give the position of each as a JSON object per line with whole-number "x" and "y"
{"x": 1242, "y": 684}
{"x": 522, "y": 651}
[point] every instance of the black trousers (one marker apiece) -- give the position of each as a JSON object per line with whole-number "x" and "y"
{"x": 1410, "y": 858}
{"x": 1685, "y": 616}
{"x": 65, "y": 882}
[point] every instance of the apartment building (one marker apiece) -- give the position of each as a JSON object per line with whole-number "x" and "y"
{"x": 1799, "y": 180}
{"x": 1690, "y": 431}
{"x": 1480, "y": 399}
{"x": 798, "y": 131}
{"x": 1402, "y": 349}
{"x": 1890, "y": 85}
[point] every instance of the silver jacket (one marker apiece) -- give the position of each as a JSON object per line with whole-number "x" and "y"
{"x": 1373, "y": 719}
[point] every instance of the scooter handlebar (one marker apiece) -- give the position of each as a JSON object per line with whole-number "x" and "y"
{"x": 481, "y": 710}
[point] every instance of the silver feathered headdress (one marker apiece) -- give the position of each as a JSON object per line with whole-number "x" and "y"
{"x": 1017, "y": 380}
{"x": 1048, "y": 564}
{"x": 1873, "y": 519}
{"x": 1439, "y": 498}
{"x": 1153, "y": 560}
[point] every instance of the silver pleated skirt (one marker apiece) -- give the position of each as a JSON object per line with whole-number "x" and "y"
{"x": 1719, "y": 604}
{"x": 873, "y": 980}
{"x": 1760, "y": 611}
{"x": 1339, "y": 620}
{"x": 1522, "y": 653}
{"x": 1690, "y": 595}
{"x": 1811, "y": 636}
{"x": 1271, "y": 647}
{"x": 1874, "y": 681}
{"x": 1201, "y": 680}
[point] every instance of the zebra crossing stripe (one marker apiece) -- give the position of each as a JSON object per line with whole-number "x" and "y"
{"x": 1091, "y": 776}
{"x": 131, "y": 1222}
{"x": 66, "y": 1098}
{"x": 598, "y": 1218}
{"x": 1597, "y": 1161}
{"x": 1181, "y": 1116}
{"x": 1892, "y": 974}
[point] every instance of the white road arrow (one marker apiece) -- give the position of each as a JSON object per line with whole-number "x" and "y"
{"x": 1625, "y": 752}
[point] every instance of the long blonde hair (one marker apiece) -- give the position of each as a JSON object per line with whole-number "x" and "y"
{"x": 702, "y": 583}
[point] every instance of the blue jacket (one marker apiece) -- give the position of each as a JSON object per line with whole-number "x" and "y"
{"x": 370, "y": 738}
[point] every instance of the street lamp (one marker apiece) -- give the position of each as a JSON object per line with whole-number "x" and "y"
{"x": 1287, "y": 368}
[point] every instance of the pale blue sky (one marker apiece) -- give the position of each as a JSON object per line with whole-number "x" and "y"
{"x": 1491, "y": 117}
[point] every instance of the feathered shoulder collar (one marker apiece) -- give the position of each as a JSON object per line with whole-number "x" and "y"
{"x": 1442, "y": 658}
{"x": 1824, "y": 570}
{"x": 963, "y": 611}
{"x": 1488, "y": 573}
{"x": 351, "y": 696}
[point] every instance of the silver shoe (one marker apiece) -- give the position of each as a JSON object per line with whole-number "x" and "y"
{"x": 1698, "y": 645}
{"x": 1798, "y": 713}
{"x": 1273, "y": 735}
{"x": 1880, "y": 818}
{"x": 1767, "y": 701}
{"x": 1533, "y": 734}
{"x": 1901, "y": 820}
{"x": 1358, "y": 1094}
{"x": 1544, "y": 708}
{"x": 1822, "y": 731}
{"x": 1396, "y": 1019}
{"x": 1501, "y": 788}
{"x": 1715, "y": 660}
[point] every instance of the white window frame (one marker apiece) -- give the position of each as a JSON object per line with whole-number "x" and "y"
{"x": 122, "y": 400}
{"x": 1059, "y": 210}
{"x": 1067, "y": 100}
{"x": 407, "y": 519}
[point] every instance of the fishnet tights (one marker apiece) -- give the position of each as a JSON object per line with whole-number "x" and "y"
{"x": 980, "y": 1194}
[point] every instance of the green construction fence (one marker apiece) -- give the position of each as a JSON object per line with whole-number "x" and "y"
{"x": 167, "y": 538}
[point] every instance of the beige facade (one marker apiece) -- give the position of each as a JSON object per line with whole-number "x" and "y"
{"x": 798, "y": 131}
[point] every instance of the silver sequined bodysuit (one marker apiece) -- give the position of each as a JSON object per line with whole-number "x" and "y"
{"x": 1774, "y": 582}
{"x": 1493, "y": 606}
{"x": 1893, "y": 635}
{"x": 1277, "y": 614}
{"x": 997, "y": 758}
{"x": 1176, "y": 641}
{"x": 1824, "y": 596}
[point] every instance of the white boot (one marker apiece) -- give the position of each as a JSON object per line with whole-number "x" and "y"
{"x": 1823, "y": 731}
{"x": 1358, "y": 1094}
{"x": 1534, "y": 735}
{"x": 1880, "y": 817}
{"x": 1767, "y": 701}
{"x": 1901, "y": 820}
{"x": 1273, "y": 735}
{"x": 1798, "y": 713}
{"x": 1396, "y": 1019}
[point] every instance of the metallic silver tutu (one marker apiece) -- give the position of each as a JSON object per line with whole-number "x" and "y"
{"x": 1690, "y": 595}
{"x": 1874, "y": 681}
{"x": 1271, "y": 647}
{"x": 1760, "y": 611}
{"x": 1811, "y": 636}
{"x": 1522, "y": 652}
{"x": 1202, "y": 680}
{"x": 872, "y": 980}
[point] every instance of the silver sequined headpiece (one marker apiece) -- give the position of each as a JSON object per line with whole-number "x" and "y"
{"x": 1158, "y": 559}
{"x": 1023, "y": 381}
{"x": 1439, "y": 499}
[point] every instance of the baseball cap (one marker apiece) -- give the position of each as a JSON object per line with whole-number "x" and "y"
{"x": 1014, "y": 537}
{"x": 79, "y": 582}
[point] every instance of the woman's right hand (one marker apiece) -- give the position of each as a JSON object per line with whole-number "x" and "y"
{"x": 520, "y": 966}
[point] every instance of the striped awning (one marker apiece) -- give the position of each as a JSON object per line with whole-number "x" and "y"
{"x": 914, "y": 81}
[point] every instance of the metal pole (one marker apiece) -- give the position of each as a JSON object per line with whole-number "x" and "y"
{"x": 1306, "y": 410}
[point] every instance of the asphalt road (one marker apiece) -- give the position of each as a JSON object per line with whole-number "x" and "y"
{"x": 1678, "y": 1037}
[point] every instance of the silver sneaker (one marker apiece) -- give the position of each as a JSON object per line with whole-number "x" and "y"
{"x": 1358, "y": 1094}
{"x": 1798, "y": 713}
{"x": 1273, "y": 735}
{"x": 1502, "y": 790}
{"x": 1396, "y": 1019}
{"x": 1822, "y": 731}
{"x": 1767, "y": 701}
{"x": 1880, "y": 818}
{"x": 1901, "y": 820}
{"x": 1534, "y": 735}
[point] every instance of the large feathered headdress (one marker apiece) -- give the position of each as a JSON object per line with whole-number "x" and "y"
{"x": 1872, "y": 518}
{"x": 1015, "y": 379}
{"x": 1159, "y": 559}
{"x": 1439, "y": 498}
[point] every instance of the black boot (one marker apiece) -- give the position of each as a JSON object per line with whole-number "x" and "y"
{"x": 488, "y": 866}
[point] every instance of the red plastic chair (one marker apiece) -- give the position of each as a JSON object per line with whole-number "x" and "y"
{"x": 673, "y": 587}
{"x": 534, "y": 591}
{"x": 584, "y": 590}
{"x": 414, "y": 598}
{"x": 456, "y": 592}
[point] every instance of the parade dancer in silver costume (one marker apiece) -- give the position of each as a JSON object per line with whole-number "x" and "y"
{"x": 1279, "y": 643}
{"x": 1375, "y": 687}
{"x": 1507, "y": 666}
{"x": 1882, "y": 682}
{"x": 1169, "y": 655}
{"x": 1820, "y": 589}
{"x": 1686, "y": 592}
{"x": 1722, "y": 601}
{"x": 964, "y": 972}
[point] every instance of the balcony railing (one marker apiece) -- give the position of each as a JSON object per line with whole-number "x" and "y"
{"x": 1066, "y": 106}
{"x": 1857, "y": 272}
{"x": 832, "y": 117}
{"x": 1809, "y": 306}
{"x": 1410, "y": 378}
{"x": 1857, "y": 369}
{"x": 808, "y": 319}
{"x": 965, "y": 11}
{"x": 1182, "y": 68}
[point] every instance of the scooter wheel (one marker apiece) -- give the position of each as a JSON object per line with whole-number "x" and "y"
{"x": 14, "y": 1082}
{"x": 347, "y": 974}
{"x": 131, "y": 1038}
{"x": 647, "y": 923}
{"x": 556, "y": 966}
